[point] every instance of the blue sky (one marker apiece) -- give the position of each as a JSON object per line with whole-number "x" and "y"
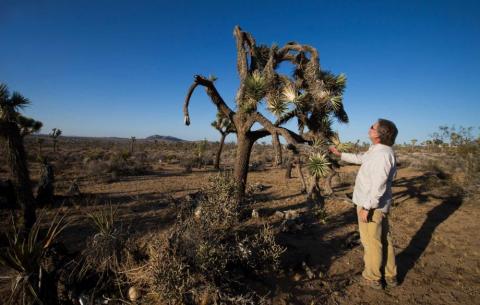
{"x": 122, "y": 68}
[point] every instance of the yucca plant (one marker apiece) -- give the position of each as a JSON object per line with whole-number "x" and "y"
{"x": 23, "y": 254}
{"x": 104, "y": 220}
{"x": 11, "y": 125}
{"x": 99, "y": 262}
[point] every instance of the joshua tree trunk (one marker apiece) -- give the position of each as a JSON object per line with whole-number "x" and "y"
{"x": 17, "y": 162}
{"x": 219, "y": 151}
{"x": 328, "y": 182}
{"x": 314, "y": 195}
{"x": 300, "y": 174}
{"x": 244, "y": 148}
{"x": 278, "y": 149}
{"x": 288, "y": 170}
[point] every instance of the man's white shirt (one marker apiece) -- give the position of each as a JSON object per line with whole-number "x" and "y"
{"x": 373, "y": 185}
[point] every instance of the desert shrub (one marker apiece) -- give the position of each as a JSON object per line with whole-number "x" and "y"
{"x": 118, "y": 166}
{"x": 469, "y": 155}
{"x": 205, "y": 256}
{"x": 187, "y": 164}
{"x": 171, "y": 158}
{"x": 95, "y": 154}
{"x": 24, "y": 255}
{"x": 96, "y": 271}
{"x": 97, "y": 168}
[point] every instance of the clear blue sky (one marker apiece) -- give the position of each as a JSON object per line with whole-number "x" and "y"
{"x": 122, "y": 68}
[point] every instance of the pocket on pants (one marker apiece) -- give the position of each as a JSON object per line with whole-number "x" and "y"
{"x": 377, "y": 216}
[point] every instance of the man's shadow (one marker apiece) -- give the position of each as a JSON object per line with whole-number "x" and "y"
{"x": 407, "y": 258}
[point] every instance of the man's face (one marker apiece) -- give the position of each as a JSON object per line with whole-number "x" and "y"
{"x": 373, "y": 133}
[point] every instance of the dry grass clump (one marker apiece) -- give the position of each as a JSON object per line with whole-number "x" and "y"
{"x": 206, "y": 258}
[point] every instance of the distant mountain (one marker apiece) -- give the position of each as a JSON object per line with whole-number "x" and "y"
{"x": 164, "y": 138}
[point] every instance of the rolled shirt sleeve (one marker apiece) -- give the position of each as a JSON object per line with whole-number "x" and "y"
{"x": 352, "y": 158}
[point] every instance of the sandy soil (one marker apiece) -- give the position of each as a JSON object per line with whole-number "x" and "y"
{"x": 434, "y": 231}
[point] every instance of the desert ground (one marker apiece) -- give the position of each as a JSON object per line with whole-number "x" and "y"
{"x": 434, "y": 220}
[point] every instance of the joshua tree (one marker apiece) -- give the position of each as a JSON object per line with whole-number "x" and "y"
{"x": 28, "y": 126}
{"x": 56, "y": 132}
{"x": 310, "y": 95}
{"x": 40, "y": 142}
{"x": 11, "y": 133}
{"x": 224, "y": 127}
{"x": 132, "y": 144}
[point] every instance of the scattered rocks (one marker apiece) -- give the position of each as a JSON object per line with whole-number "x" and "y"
{"x": 291, "y": 214}
{"x": 74, "y": 189}
{"x": 308, "y": 271}
{"x": 133, "y": 294}
{"x": 296, "y": 277}
{"x": 291, "y": 225}
{"x": 198, "y": 212}
{"x": 279, "y": 215}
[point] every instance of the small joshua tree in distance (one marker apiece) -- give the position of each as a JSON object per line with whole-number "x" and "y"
{"x": 56, "y": 132}
{"x": 224, "y": 127}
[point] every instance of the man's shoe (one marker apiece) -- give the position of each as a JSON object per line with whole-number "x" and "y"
{"x": 391, "y": 282}
{"x": 372, "y": 284}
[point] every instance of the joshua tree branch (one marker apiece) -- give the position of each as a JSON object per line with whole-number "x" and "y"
{"x": 290, "y": 136}
{"x": 214, "y": 96}
{"x": 242, "y": 64}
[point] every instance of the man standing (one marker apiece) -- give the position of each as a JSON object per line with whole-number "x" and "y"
{"x": 372, "y": 195}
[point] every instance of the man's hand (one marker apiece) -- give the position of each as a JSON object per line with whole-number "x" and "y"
{"x": 363, "y": 215}
{"x": 334, "y": 151}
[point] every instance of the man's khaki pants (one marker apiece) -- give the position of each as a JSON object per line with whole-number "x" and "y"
{"x": 377, "y": 244}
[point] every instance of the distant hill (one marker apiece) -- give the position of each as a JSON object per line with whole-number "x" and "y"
{"x": 164, "y": 138}
{"x": 151, "y": 138}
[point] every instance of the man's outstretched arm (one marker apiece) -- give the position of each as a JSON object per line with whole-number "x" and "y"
{"x": 350, "y": 158}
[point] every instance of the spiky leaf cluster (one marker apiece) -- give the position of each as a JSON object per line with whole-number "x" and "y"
{"x": 10, "y": 105}
{"x": 223, "y": 124}
{"x": 342, "y": 147}
{"x": 254, "y": 88}
{"x": 318, "y": 165}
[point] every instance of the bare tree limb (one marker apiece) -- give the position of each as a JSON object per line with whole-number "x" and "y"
{"x": 214, "y": 96}
{"x": 242, "y": 65}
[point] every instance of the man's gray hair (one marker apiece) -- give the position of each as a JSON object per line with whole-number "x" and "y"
{"x": 387, "y": 132}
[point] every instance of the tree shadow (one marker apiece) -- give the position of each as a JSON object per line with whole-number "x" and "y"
{"x": 407, "y": 258}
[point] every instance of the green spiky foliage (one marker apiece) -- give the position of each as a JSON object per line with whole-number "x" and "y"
{"x": 28, "y": 125}
{"x": 341, "y": 146}
{"x": 24, "y": 254}
{"x": 13, "y": 126}
{"x": 318, "y": 165}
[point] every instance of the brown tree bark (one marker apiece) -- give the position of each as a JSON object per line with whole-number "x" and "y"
{"x": 278, "y": 149}
{"x": 244, "y": 148}
{"x": 219, "y": 151}
{"x": 17, "y": 162}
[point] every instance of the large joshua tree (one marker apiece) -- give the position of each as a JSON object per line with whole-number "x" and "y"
{"x": 310, "y": 95}
{"x": 12, "y": 128}
{"x": 224, "y": 127}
